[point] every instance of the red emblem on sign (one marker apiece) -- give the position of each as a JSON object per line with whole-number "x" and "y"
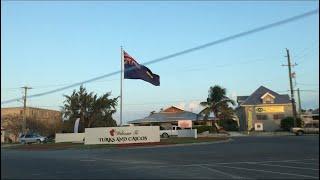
{"x": 112, "y": 132}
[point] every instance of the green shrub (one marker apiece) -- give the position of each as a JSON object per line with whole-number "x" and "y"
{"x": 288, "y": 122}
{"x": 299, "y": 122}
{"x": 201, "y": 129}
{"x": 229, "y": 125}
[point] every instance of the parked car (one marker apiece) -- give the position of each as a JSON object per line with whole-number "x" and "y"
{"x": 310, "y": 128}
{"x": 171, "y": 132}
{"x": 32, "y": 138}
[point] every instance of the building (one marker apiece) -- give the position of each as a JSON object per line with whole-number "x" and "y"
{"x": 172, "y": 116}
{"x": 263, "y": 110}
{"x": 310, "y": 116}
{"x": 43, "y": 120}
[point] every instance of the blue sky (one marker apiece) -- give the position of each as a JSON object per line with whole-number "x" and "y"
{"x": 49, "y": 44}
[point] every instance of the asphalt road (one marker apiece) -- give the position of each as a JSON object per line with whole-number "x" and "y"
{"x": 284, "y": 157}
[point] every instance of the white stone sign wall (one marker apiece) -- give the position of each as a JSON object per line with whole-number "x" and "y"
{"x": 122, "y": 135}
{"x": 69, "y": 137}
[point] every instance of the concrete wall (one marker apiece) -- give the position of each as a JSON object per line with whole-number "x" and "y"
{"x": 11, "y": 118}
{"x": 187, "y": 133}
{"x": 69, "y": 137}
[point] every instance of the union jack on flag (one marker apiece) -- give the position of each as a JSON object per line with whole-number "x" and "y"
{"x": 129, "y": 60}
{"x": 133, "y": 70}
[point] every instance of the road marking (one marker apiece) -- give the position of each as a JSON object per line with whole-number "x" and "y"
{"x": 87, "y": 160}
{"x": 257, "y": 162}
{"x": 132, "y": 161}
{"x": 35, "y": 174}
{"x": 217, "y": 171}
{"x": 305, "y": 163}
{"x": 203, "y": 164}
{"x": 274, "y": 172}
{"x": 243, "y": 162}
{"x": 285, "y": 166}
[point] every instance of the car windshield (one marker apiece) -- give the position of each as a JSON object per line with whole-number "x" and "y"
{"x": 36, "y": 135}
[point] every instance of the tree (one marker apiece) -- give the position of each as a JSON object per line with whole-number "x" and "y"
{"x": 92, "y": 110}
{"x": 12, "y": 125}
{"x": 288, "y": 122}
{"x": 218, "y": 104}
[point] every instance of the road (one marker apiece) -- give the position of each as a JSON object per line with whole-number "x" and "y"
{"x": 286, "y": 157}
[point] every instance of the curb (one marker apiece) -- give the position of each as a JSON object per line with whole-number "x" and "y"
{"x": 179, "y": 145}
{"x": 9, "y": 145}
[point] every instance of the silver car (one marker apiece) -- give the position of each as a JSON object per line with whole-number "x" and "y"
{"x": 32, "y": 138}
{"x": 310, "y": 128}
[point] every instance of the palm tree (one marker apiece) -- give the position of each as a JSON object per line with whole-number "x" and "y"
{"x": 92, "y": 110}
{"x": 217, "y": 103}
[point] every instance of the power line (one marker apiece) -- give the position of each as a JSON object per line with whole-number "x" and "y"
{"x": 57, "y": 85}
{"x": 307, "y": 84}
{"x": 174, "y": 101}
{"x": 235, "y": 36}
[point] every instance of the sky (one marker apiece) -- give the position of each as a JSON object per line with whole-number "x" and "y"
{"x": 52, "y": 44}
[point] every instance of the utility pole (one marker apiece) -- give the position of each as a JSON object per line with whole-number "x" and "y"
{"x": 24, "y": 124}
{"x": 299, "y": 101}
{"x": 291, "y": 89}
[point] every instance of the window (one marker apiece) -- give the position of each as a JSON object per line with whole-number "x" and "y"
{"x": 278, "y": 116}
{"x": 267, "y": 98}
{"x": 262, "y": 117}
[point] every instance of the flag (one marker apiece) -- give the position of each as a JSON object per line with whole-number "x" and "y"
{"x": 133, "y": 70}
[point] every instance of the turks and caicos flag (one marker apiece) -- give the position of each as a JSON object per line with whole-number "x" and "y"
{"x": 133, "y": 70}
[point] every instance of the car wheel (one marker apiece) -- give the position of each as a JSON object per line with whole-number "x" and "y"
{"x": 299, "y": 133}
{"x": 38, "y": 141}
{"x": 23, "y": 142}
{"x": 165, "y": 135}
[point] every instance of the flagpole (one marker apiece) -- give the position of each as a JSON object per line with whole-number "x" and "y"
{"x": 121, "y": 77}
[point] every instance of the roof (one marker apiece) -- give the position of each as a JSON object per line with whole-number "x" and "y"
{"x": 255, "y": 97}
{"x": 173, "y": 109}
{"x": 241, "y": 98}
{"x": 170, "y": 114}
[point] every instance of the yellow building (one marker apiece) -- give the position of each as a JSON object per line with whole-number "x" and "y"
{"x": 263, "y": 110}
{"x": 43, "y": 120}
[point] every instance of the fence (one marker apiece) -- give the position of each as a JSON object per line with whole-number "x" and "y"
{"x": 188, "y": 133}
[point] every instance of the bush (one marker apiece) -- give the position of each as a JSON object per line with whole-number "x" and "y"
{"x": 229, "y": 125}
{"x": 201, "y": 129}
{"x": 288, "y": 122}
{"x": 299, "y": 122}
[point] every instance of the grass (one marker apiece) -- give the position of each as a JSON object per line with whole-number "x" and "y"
{"x": 69, "y": 145}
